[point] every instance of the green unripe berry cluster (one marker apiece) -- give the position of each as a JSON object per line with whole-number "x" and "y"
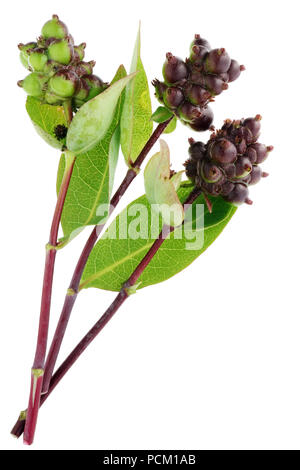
{"x": 58, "y": 71}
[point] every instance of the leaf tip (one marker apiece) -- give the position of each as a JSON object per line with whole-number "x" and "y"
{"x": 164, "y": 148}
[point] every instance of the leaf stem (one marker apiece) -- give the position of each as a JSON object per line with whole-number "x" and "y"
{"x": 74, "y": 285}
{"x": 40, "y": 353}
{"x": 109, "y": 313}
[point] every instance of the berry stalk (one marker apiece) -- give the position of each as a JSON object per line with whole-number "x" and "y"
{"x": 68, "y": 111}
{"x": 124, "y": 293}
{"x": 73, "y": 287}
{"x": 37, "y": 371}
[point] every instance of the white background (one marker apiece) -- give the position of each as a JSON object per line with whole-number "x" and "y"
{"x": 210, "y": 358}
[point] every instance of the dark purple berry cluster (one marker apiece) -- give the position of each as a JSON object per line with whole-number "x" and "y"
{"x": 58, "y": 71}
{"x": 190, "y": 85}
{"x": 230, "y": 160}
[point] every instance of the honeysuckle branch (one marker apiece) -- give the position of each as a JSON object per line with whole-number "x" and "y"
{"x": 72, "y": 291}
{"x": 39, "y": 359}
{"x": 127, "y": 289}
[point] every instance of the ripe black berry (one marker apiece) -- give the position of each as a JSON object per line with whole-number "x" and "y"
{"x": 174, "y": 69}
{"x": 228, "y": 163}
{"x": 191, "y": 169}
{"x": 253, "y": 124}
{"x": 261, "y": 152}
{"x": 173, "y": 97}
{"x": 198, "y": 95}
{"x": 197, "y": 150}
{"x": 234, "y": 70}
{"x": 215, "y": 85}
{"x": 210, "y": 172}
{"x": 189, "y": 112}
{"x": 217, "y": 61}
{"x": 239, "y": 194}
{"x": 243, "y": 167}
{"x": 204, "y": 122}
{"x": 160, "y": 88}
{"x": 223, "y": 151}
{"x": 256, "y": 174}
{"x": 198, "y": 54}
{"x": 199, "y": 41}
{"x": 201, "y": 77}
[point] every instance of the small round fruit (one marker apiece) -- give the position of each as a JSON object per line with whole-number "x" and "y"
{"x": 229, "y": 170}
{"x": 37, "y": 59}
{"x": 160, "y": 88}
{"x": 215, "y": 85}
{"x": 204, "y": 122}
{"x": 255, "y": 174}
{"x": 198, "y": 95}
{"x": 251, "y": 154}
{"x": 95, "y": 84}
{"x": 217, "y": 61}
{"x": 198, "y": 54}
{"x": 241, "y": 146}
{"x": 52, "y": 98}
{"x": 239, "y": 194}
{"x": 189, "y": 112}
{"x": 234, "y": 70}
{"x": 261, "y": 152}
{"x": 64, "y": 83}
{"x": 243, "y": 167}
{"x": 196, "y": 76}
{"x": 173, "y": 97}
{"x": 24, "y": 49}
{"x": 51, "y": 67}
{"x": 224, "y": 76}
{"x": 227, "y": 187}
{"x": 253, "y": 124}
{"x": 223, "y": 151}
{"x": 191, "y": 169}
{"x": 174, "y": 69}
{"x": 82, "y": 91}
{"x": 199, "y": 41}
{"x": 211, "y": 173}
{"x": 197, "y": 150}
{"x": 240, "y": 135}
{"x": 34, "y": 84}
{"x": 79, "y": 51}
{"x": 61, "y": 51}
{"x": 85, "y": 68}
{"x": 54, "y": 28}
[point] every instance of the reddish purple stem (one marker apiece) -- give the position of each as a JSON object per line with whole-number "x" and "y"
{"x": 73, "y": 287}
{"x": 41, "y": 346}
{"x": 104, "y": 319}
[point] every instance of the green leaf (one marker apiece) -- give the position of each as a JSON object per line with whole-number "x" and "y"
{"x": 113, "y": 157}
{"x": 45, "y": 118}
{"x": 171, "y": 126}
{"x": 136, "y": 123}
{"x": 160, "y": 190}
{"x": 113, "y": 259}
{"x": 93, "y": 119}
{"x": 161, "y": 114}
{"x": 92, "y": 177}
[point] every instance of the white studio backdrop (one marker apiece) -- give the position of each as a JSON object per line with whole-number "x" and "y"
{"x": 210, "y": 358}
